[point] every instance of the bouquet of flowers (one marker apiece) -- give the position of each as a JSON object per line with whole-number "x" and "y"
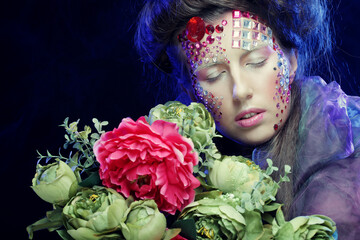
{"x": 162, "y": 177}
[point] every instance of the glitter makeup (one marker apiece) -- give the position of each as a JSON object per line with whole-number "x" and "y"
{"x": 283, "y": 88}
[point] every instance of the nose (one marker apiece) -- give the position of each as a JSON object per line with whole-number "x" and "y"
{"x": 242, "y": 89}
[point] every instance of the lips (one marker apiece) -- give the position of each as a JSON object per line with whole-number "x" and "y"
{"x": 250, "y": 117}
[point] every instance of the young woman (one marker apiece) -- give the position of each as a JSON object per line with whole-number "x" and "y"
{"x": 248, "y": 62}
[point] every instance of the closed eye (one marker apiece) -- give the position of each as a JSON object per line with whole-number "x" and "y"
{"x": 257, "y": 64}
{"x": 212, "y": 79}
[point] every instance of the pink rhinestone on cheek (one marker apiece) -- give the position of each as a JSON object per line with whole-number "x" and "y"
{"x": 282, "y": 91}
{"x": 212, "y": 103}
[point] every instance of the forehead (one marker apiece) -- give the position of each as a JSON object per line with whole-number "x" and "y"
{"x": 209, "y": 41}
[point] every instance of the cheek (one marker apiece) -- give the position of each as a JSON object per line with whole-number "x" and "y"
{"x": 282, "y": 91}
{"x": 212, "y": 101}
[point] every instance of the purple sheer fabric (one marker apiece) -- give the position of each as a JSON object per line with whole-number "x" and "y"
{"x": 327, "y": 177}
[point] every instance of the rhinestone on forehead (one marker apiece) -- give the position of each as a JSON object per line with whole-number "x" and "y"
{"x": 249, "y": 32}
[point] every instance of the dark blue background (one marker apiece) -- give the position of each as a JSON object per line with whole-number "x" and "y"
{"x": 76, "y": 59}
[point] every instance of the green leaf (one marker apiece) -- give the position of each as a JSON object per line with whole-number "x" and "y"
{"x": 43, "y": 223}
{"x": 202, "y": 174}
{"x": 188, "y": 228}
{"x": 280, "y": 217}
{"x": 84, "y": 134}
{"x": 94, "y": 120}
{"x": 171, "y": 233}
{"x": 268, "y": 218}
{"x": 64, "y": 235}
{"x": 88, "y": 163}
{"x": 67, "y": 137}
{"x": 286, "y": 232}
{"x": 287, "y": 169}
{"x": 77, "y": 146}
{"x": 73, "y": 160}
{"x": 104, "y": 123}
{"x": 54, "y": 215}
{"x": 271, "y": 207}
{"x": 95, "y": 136}
{"x": 209, "y": 194}
{"x": 254, "y": 227}
{"x": 93, "y": 179}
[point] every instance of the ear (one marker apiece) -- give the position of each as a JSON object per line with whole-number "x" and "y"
{"x": 293, "y": 64}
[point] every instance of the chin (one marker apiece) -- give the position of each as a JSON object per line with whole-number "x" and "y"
{"x": 253, "y": 139}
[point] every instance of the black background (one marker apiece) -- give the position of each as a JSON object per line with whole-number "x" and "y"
{"x": 64, "y": 58}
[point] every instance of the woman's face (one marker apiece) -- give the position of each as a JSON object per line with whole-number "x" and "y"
{"x": 245, "y": 84}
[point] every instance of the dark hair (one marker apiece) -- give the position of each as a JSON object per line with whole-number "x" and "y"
{"x": 298, "y": 24}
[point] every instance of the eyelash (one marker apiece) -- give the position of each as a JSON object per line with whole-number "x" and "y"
{"x": 214, "y": 78}
{"x": 255, "y": 65}
{"x": 258, "y": 64}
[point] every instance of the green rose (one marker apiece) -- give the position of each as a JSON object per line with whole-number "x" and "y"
{"x": 313, "y": 227}
{"x": 55, "y": 183}
{"x": 303, "y": 227}
{"x": 233, "y": 176}
{"x": 143, "y": 220}
{"x": 243, "y": 178}
{"x": 95, "y": 213}
{"x": 194, "y": 121}
{"x": 215, "y": 218}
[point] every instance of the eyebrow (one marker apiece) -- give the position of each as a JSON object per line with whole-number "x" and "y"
{"x": 210, "y": 64}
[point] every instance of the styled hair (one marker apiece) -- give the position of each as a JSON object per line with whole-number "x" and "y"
{"x": 300, "y": 24}
{"x": 303, "y": 25}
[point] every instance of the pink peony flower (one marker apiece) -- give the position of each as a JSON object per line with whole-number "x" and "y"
{"x": 148, "y": 162}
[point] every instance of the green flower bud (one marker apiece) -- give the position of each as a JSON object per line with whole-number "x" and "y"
{"x": 143, "y": 220}
{"x": 55, "y": 183}
{"x": 95, "y": 213}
